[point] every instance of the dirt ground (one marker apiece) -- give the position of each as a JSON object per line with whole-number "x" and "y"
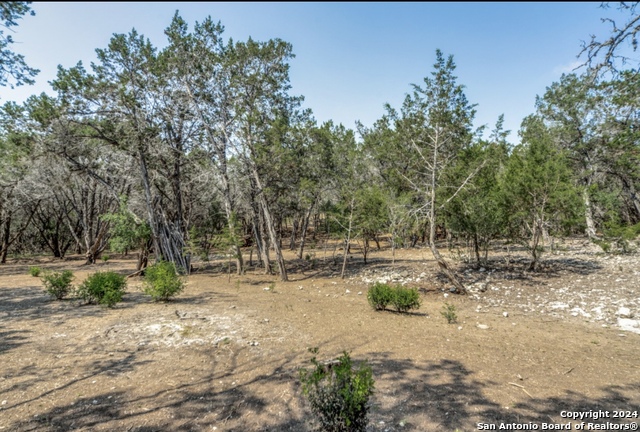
{"x": 225, "y": 354}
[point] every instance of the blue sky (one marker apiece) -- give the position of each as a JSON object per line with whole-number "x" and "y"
{"x": 351, "y": 58}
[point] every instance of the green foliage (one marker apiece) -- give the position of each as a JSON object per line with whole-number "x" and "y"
{"x": 449, "y": 313}
{"x": 606, "y": 246}
{"x": 229, "y": 239}
{"x": 538, "y": 189}
{"x": 127, "y": 232}
{"x": 35, "y": 271}
{"x": 58, "y": 284}
{"x": 477, "y": 211}
{"x": 104, "y": 288}
{"x": 105, "y": 257}
{"x": 370, "y": 211}
{"x": 339, "y": 393}
{"x": 380, "y": 296}
{"x": 12, "y": 64}
{"x": 161, "y": 281}
{"x": 405, "y": 299}
{"x": 619, "y": 234}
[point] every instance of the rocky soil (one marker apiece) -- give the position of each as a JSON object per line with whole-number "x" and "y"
{"x": 225, "y": 354}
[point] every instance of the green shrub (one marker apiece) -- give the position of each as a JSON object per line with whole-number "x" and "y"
{"x": 339, "y": 393}
{"x": 161, "y": 281}
{"x": 380, "y": 295}
{"x": 606, "y": 246}
{"x": 35, "y": 271}
{"x": 449, "y": 312}
{"x": 105, "y": 257}
{"x": 405, "y": 299}
{"x": 57, "y": 284}
{"x": 104, "y": 288}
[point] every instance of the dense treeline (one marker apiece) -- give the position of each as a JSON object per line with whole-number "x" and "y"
{"x": 198, "y": 147}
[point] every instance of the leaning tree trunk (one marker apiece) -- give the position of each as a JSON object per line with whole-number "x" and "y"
{"x": 444, "y": 267}
{"x": 7, "y": 240}
{"x": 143, "y": 255}
{"x": 171, "y": 243}
{"x": 95, "y": 246}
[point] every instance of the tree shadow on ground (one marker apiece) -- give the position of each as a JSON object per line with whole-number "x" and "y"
{"x": 193, "y": 405}
{"x": 21, "y": 266}
{"x": 11, "y": 339}
{"x": 445, "y": 395}
{"x": 33, "y": 303}
{"x": 355, "y": 268}
{"x": 410, "y": 396}
{"x": 549, "y": 268}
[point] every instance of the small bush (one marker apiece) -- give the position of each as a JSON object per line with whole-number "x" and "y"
{"x": 339, "y": 393}
{"x": 405, "y": 299}
{"x": 161, "y": 281}
{"x": 606, "y": 246}
{"x": 35, "y": 271}
{"x": 104, "y": 288}
{"x": 58, "y": 285}
{"x": 105, "y": 257}
{"x": 449, "y": 312}
{"x": 380, "y": 295}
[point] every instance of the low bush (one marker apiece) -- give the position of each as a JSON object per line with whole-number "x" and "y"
{"x": 161, "y": 281}
{"x": 35, "y": 271}
{"x": 405, "y": 299}
{"x": 449, "y": 313}
{"x": 104, "y": 288}
{"x": 339, "y": 393}
{"x": 380, "y": 295}
{"x": 58, "y": 284}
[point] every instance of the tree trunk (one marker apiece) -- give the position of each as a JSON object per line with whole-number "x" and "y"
{"x": 4, "y": 246}
{"x": 476, "y": 248}
{"x": 97, "y": 245}
{"x": 347, "y": 242}
{"x": 271, "y": 229}
{"x": 393, "y": 246}
{"x": 535, "y": 240}
{"x": 7, "y": 240}
{"x": 444, "y": 267}
{"x": 144, "y": 174}
{"x": 588, "y": 215}
{"x": 259, "y": 233}
{"x": 303, "y": 234}
{"x": 168, "y": 240}
{"x": 365, "y": 249}
{"x": 316, "y": 225}
{"x": 294, "y": 229}
{"x": 630, "y": 189}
